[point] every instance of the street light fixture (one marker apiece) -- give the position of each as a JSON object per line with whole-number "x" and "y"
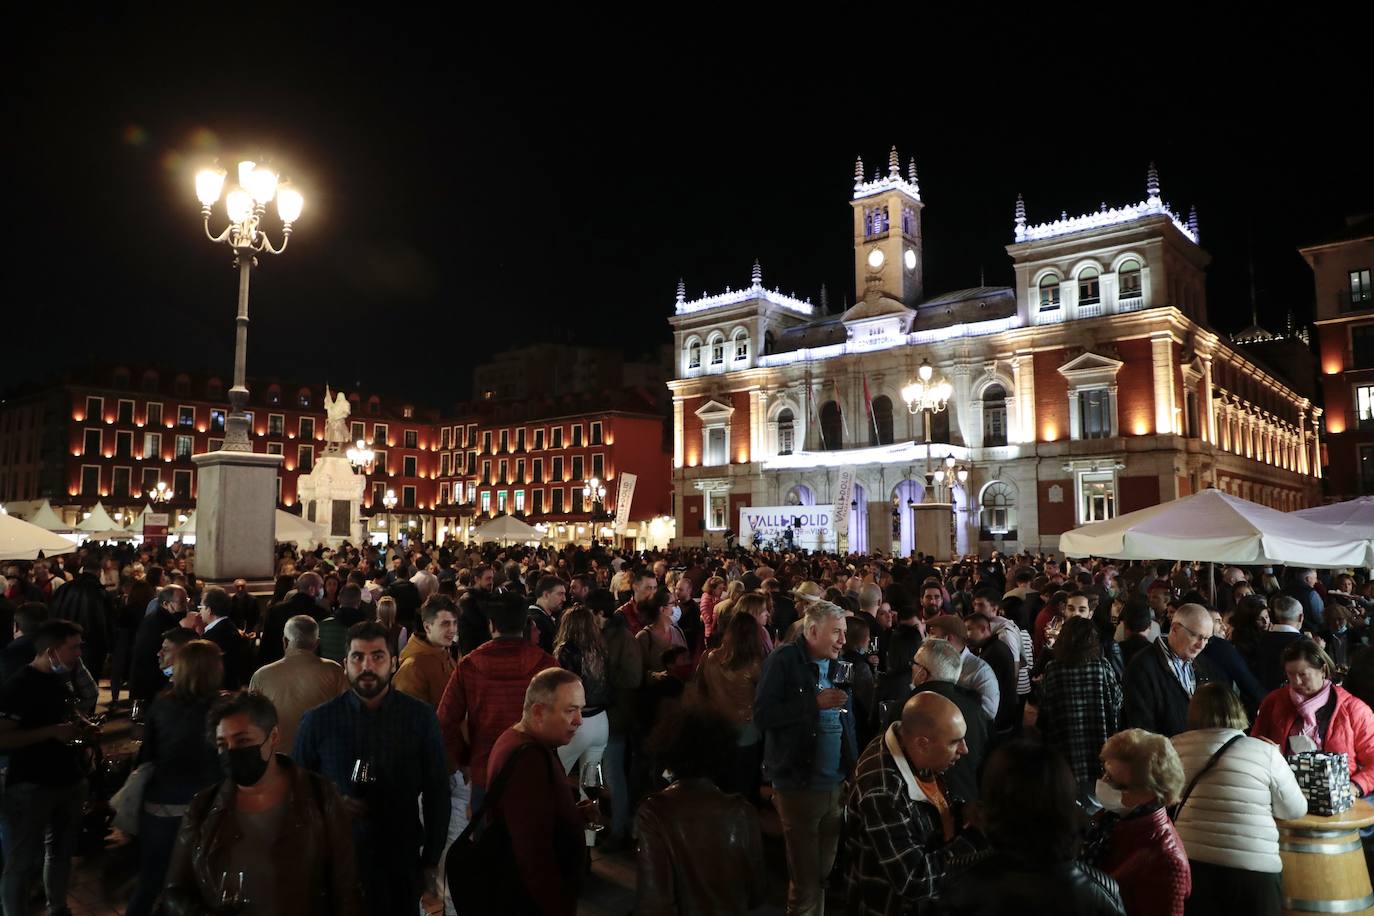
{"x": 926, "y": 397}
{"x": 161, "y": 493}
{"x": 594, "y": 497}
{"x": 361, "y": 457}
{"x": 245, "y": 205}
{"x": 389, "y": 500}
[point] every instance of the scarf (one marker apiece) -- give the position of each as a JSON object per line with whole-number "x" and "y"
{"x": 1306, "y": 723}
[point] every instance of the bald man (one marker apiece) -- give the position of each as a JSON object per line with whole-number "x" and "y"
{"x": 906, "y": 829}
{"x": 1161, "y": 679}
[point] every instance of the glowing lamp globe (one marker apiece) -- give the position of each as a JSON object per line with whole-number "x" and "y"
{"x": 209, "y": 185}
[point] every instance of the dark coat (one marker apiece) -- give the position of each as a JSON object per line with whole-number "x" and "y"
{"x": 237, "y": 652}
{"x": 146, "y": 679}
{"x": 1228, "y": 660}
{"x": 84, "y": 601}
{"x": 999, "y": 659}
{"x": 1003, "y": 885}
{"x": 785, "y": 710}
{"x": 1268, "y": 663}
{"x": 475, "y": 608}
{"x": 962, "y": 778}
{"x": 1155, "y": 700}
{"x": 274, "y": 627}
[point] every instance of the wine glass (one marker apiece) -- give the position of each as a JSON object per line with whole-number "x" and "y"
{"x": 363, "y": 778}
{"x": 594, "y": 787}
{"x": 232, "y": 894}
{"x": 840, "y": 674}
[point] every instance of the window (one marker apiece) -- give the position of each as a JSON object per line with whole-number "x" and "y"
{"x": 470, "y": 436}
{"x": 694, "y": 355}
{"x": 90, "y": 480}
{"x": 357, "y": 432}
{"x": 717, "y": 509}
{"x": 379, "y": 465}
{"x": 126, "y": 412}
{"x": 216, "y": 420}
{"x": 443, "y": 465}
{"x": 519, "y": 500}
{"x": 882, "y": 419}
{"x": 557, "y": 496}
{"x": 152, "y": 446}
{"x": 408, "y": 497}
{"x": 501, "y": 501}
{"x": 596, "y": 433}
{"x": 408, "y": 468}
{"x": 379, "y": 434}
{"x": 998, "y": 507}
{"x": 1364, "y": 406}
{"x": 599, "y": 466}
{"x": 154, "y": 417}
{"x": 124, "y": 445}
{"x": 832, "y": 426}
{"x": 556, "y": 437}
{"x": 1360, "y": 292}
{"x": 994, "y": 416}
{"x": 274, "y": 448}
{"x": 537, "y": 502}
{"x": 1049, "y": 293}
{"x": 1190, "y": 418}
{"x": 715, "y": 447}
{"x": 1098, "y": 494}
{"x": 120, "y": 487}
{"x": 486, "y": 442}
{"x": 505, "y": 440}
{"x": 378, "y": 494}
{"x": 305, "y": 458}
{"x": 91, "y": 444}
{"x": 520, "y": 470}
{"x": 501, "y": 467}
{"x": 1367, "y": 469}
{"x": 274, "y": 395}
{"x": 557, "y": 473}
{"x": 276, "y": 424}
{"x": 412, "y": 438}
{"x": 186, "y": 417}
{"x": 539, "y": 439}
{"x": 181, "y": 484}
{"x": 408, "y": 412}
{"x": 374, "y": 407}
{"x": 1128, "y": 279}
{"x": 1094, "y": 411}
{"x": 307, "y": 428}
{"x": 538, "y": 467}
{"x": 148, "y": 481}
{"x": 577, "y": 468}
{"x": 184, "y": 446}
{"x": 486, "y": 472}
{"x": 1088, "y": 288}
{"x": 472, "y": 463}
{"x": 786, "y": 432}
{"x": 717, "y": 351}
{"x": 578, "y": 501}
{"x": 95, "y": 409}
{"x": 458, "y": 491}
{"x": 577, "y": 435}
{"x": 443, "y": 494}
{"x": 305, "y": 399}
{"x": 520, "y": 439}
{"x": 741, "y": 342}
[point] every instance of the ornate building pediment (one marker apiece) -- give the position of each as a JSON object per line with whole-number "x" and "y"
{"x": 1091, "y": 369}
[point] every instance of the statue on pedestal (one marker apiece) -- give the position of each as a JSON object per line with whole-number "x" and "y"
{"x": 337, "y": 410}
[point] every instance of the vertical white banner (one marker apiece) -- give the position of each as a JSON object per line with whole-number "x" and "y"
{"x": 844, "y": 490}
{"x": 623, "y": 498}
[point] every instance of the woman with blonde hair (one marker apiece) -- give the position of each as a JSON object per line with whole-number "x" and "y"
{"x": 1239, "y": 787}
{"x": 726, "y": 605}
{"x": 1141, "y": 778}
{"x": 386, "y": 616}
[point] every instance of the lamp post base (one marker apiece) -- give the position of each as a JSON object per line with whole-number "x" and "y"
{"x": 236, "y": 525}
{"x": 933, "y": 529}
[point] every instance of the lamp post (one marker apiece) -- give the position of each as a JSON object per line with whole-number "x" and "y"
{"x": 245, "y": 205}
{"x": 161, "y": 493}
{"x": 928, "y": 398}
{"x": 389, "y": 500}
{"x": 594, "y": 498}
{"x": 361, "y": 457}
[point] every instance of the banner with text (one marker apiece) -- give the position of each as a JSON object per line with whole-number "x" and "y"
{"x": 623, "y": 498}
{"x": 844, "y": 492}
{"x": 773, "y": 521}
{"x": 155, "y": 527}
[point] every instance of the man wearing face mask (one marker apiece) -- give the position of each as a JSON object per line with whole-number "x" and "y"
{"x": 267, "y": 811}
{"x": 145, "y": 672}
{"x": 398, "y": 738}
{"x": 45, "y": 786}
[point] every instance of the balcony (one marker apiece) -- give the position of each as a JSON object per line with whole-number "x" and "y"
{"x": 1090, "y": 309}
{"x": 1346, "y": 303}
{"x": 1130, "y": 303}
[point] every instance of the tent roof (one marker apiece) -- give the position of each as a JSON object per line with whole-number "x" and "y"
{"x": 45, "y": 517}
{"x": 507, "y": 528}
{"x": 99, "y": 521}
{"x": 292, "y": 528}
{"x": 1354, "y": 517}
{"x": 21, "y": 540}
{"x": 187, "y": 527}
{"x": 1214, "y": 526}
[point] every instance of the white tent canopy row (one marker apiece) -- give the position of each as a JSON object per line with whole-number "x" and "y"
{"x": 1213, "y": 526}
{"x": 289, "y": 528}
{"x": 1354, "y": 517}
{"x": 507, "y": 530}
{"x": 21, "y": 540}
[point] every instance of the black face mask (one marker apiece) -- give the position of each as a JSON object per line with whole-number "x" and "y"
{"x": 244, "y": 765}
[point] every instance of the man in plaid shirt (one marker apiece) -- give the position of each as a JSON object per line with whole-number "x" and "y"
{"x": 903, "y": 830}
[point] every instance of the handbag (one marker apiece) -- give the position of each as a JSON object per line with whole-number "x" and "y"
{"x": 1211, "y": 762}
{"x": 483, "y": 878}
{"x": 128, "y": 801}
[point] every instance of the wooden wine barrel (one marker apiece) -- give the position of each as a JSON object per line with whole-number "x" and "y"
{"x": 1324, "y": 869}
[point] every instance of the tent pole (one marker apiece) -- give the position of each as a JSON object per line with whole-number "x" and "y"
{"x": 1212, "y": 582}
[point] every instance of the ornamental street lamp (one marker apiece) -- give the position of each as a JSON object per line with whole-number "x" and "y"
{"x": 361, "y": 457}
{"x": 594, "y": 498}
{"x": 928, "y": 398}
{"x": 245, "y": 204}
{"x": 161, "y": 493}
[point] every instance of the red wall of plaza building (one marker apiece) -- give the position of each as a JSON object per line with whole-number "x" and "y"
{"x": 739, "y": 427}
{"x": 1349, "y": 444}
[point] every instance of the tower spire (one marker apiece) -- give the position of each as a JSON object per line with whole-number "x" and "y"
{"x": 911, "y": 170}
{"x": 894, "y": 165}
{"x": 756, "y": 276}
{"x": 825, "y": 300}
{"x": 681, "y": 291}
{"x": 858, "y": 170}
{"x": 1020, "y": 212}
{"x": 1192, "y": 224}
{"x": 1152, "y": 183}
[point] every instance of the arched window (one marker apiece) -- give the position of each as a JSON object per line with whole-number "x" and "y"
{"x": 882, "y": 419}
{"x": 717, "y": 350}
{"x": 769, "y": 343}
{"x": 741, "y": 345}
{"x": 800, "y": 495}
{"x": 994, "y": 416}
{"x": 786, "y": 432}
{"x": 1128, "y": 279}
{"x": 303, "y": 396}
{"x": 998, "y": 502}
{"x": 832, "y": 427}
{"x": 1049, "y": 293}
{"x": 694, "y": 355}
{"x": 1088, "y": 288}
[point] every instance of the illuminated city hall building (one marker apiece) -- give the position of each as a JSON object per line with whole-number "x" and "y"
{"x": 1092, "y": 388}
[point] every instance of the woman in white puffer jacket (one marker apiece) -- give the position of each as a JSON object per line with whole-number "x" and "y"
{"x": 1227, "y": 824}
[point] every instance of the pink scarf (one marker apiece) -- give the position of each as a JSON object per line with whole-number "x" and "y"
{"x": 1306, "y": 723}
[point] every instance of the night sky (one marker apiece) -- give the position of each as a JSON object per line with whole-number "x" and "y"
{"x": 469, "y": 190}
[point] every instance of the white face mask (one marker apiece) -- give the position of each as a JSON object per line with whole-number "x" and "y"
{"x": 1110, "y": 797}
{"x": 677, "y": 613}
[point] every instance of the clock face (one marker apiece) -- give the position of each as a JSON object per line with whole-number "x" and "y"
{"x": 876, "y": 258}
{"x": 910, "y": 259}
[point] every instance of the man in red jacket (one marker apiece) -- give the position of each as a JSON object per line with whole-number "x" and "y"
{"x": 487, "y": 692}
{"x": 645, "y": 584}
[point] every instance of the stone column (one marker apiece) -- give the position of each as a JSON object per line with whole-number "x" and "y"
{"x": 1207, "y": 399}
{"x": 678, "y": 432}
{"x": 1162, "y": 351}
{"x": 1316, "y": 446}
{"x": 236, "y": 525}
{"x": 1023, "y": 378}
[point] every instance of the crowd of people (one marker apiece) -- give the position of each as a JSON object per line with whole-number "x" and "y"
{"x": 990, "y": 735}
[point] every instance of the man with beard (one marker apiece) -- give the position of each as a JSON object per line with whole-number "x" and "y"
{"x": 397, "y": 737}
{"x": 644, "y": 586}
{"x": 475, "y": 609}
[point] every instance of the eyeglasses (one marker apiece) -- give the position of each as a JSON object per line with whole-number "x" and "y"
{"x": 1197, "y": 637}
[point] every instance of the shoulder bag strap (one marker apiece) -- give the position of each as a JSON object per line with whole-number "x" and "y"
{"x": 1211, "y": 762}
{"x": 498, "y": 786}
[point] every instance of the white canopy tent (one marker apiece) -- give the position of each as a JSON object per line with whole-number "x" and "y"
{"x": 293, "y": 529}
{"x": 100, "y": 527}
{"x": 136, "y": 526}
{"x": 45, "y": 517}
{"x": 1216, "y": 527}
{"x": 21, "y": 540}
{"x": 1354, "y": 517}
{"x": 507, "y": 529}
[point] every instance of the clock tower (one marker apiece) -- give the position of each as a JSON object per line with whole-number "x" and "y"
{"x": 887, "y": 232}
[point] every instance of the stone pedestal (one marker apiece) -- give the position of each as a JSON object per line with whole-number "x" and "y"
{"x": 332, "y": 495}
{"x": 933, "y": 529}
{"x": 236, "y": 525}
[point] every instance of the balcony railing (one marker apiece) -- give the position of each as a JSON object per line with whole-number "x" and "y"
{"x": 1130, "y": 303}
{"x": 1349, "y": 303}
{"x": 1090, "y": 309}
